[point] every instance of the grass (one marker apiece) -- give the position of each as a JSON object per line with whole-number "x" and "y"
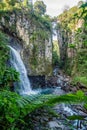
{"x": 81, "y": 79}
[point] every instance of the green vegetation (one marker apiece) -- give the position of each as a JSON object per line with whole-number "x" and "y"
{"x": 15, "y": 108}
{"x": 73, "y": 23}
{"x": 10, "y": 5}
{"x": 40, "y": 7}
{"x": 55, "y": 53}
{"x": 82, "y": 80}
{"x": 39, "y": 31}
{"x": 79, "y": 71}
{"x": 7, "y": 74}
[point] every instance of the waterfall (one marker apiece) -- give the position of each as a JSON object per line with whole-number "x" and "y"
{"x": 23, "y": 86}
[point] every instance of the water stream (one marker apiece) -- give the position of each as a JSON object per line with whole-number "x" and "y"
{"x": 23, "y": 86}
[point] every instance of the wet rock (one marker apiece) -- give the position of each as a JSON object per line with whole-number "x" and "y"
{"x": 69, "y": 88}
{"x": 81, "y": 86}
{"x": 53, "y": 125}
{"x": 73, "y": 89}
{"x": 37, "y": 81}
{"x": 52, "y": 81}
{"x": 66, "y": 79}
{"x": 66, "y": 88}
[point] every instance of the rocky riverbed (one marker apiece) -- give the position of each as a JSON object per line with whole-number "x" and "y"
{"x": 59, "y": 79}
{"x": 57, "y": 117}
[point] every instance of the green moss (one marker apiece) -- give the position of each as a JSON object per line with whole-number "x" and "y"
{"x": 78, "y": 68}
{"x": 33, "y": 57}
{"x": 13, "y": 28}
{"x": 48, "y": 68}
{"x": 80, "y": 79}
{"x": 39, "y": 34}
{"x": 4, "y": 50}
{"x": 55, "y": 53}
{"x": 4, "y": 54}
{"x": 7, "y": 74}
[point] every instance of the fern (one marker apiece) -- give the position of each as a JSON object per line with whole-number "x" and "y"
{"x": 77, "y": 117}
{"x": 14, "y": 107}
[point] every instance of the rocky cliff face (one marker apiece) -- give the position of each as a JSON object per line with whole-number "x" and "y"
{"x": 65, "y": 37}
{"x": 32, "y": 38}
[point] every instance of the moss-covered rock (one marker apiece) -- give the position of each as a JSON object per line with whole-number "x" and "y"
{"x": 35, "y": 36}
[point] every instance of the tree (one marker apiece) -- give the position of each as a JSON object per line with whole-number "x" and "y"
{"x": 40, "y": 7}
{"x": 10, "y": 2}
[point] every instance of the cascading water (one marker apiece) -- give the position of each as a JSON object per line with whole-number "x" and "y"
{"x": 23, "y": 86}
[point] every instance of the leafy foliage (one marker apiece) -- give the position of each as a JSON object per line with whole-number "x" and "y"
{"x": 14, "y": 107}
{"x": 74, "y": 22}
{"x": 40, "y": 7}
{"x": 76, "y": 117}
{"x": 72, "y": 46}
{"x": 55, "y": 53}
{"x": 7, "y": 75}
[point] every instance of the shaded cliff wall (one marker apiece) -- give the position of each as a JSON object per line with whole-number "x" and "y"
{"x": 63, "y": 39}
{"x": 67, "y": 27}
{"x": 67, "y": 39}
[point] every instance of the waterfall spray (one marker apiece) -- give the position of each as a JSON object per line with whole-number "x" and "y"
{"x": 23, "y": 86}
